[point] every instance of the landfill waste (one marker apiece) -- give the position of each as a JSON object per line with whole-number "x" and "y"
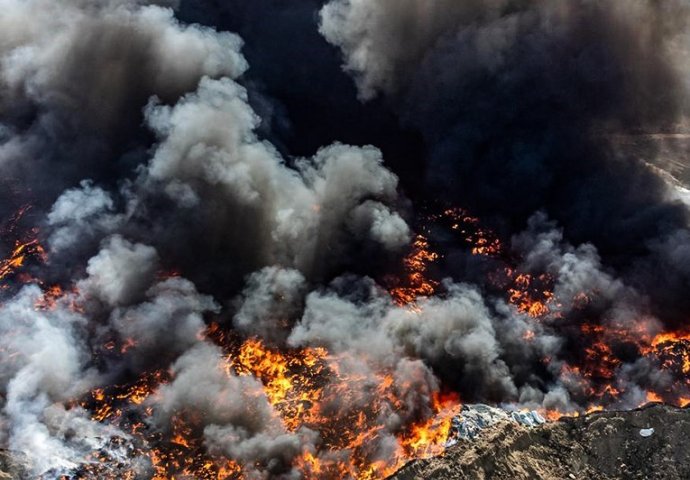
{"x": 648, "y": 443}
{"x": 528, "y": 419}
{"x": 472, "y": 419}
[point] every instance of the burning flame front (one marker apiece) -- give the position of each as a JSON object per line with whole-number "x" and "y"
{"x": 200, "y": 280}
{"x": 315, "y": 394}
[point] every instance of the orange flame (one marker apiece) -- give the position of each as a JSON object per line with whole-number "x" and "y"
{"x": 416, "y": 264}
{"x": 306, "y": 386}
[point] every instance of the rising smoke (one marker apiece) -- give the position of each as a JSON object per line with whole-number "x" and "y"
{"x": 541, "y": 94}
{"x": 174, "y": 186}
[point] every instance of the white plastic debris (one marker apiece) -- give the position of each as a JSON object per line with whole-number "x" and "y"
{"x": 528, "y": 419}
{"x": 646, "y": 432}
{"x": 471, "y": 420}
{"x": 475, "y": 418}
{"x": 538, "y": 418}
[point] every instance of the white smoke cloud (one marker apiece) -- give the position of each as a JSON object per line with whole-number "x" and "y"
{"x": 383, "y": 41}
{"x": 165, "y": 325}
{"x": 121, "y": 272}
{"x": 384, "y": 226}
{"x": 209, "y": 155}
{"x": 81, "y": 212}
{"x": 271, "y": 301}
{"x": 44, "y": 363}
{"x": 46, "y": 46}
{"x": 457, "y": 329}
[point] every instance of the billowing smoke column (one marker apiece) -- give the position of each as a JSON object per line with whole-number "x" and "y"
{"x": 525, "y": 106}
{"x": 209, "y": 283}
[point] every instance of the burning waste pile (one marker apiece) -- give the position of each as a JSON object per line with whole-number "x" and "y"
{"x": 199, "y": 278}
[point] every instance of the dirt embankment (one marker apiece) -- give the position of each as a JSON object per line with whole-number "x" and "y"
{"x": 606, "y": 445}
{"x": 12, "y": 466}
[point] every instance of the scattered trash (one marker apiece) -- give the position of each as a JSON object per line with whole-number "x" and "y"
{"x": 528, "y": 419}
{"x": 646, "y": 432}
{"x": 474, "y": 418}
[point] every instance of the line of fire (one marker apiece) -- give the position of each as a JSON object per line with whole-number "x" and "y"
{"x": 314, "y": 392}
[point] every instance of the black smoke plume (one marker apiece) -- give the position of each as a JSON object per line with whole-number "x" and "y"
{"x": 263, "y": 166}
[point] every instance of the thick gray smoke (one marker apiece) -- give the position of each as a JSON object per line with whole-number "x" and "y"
{"x": 208, "y": 156}
{"x": 239, "y": 422}
{"x": 480, "y": 342}
{"x": 75, "y": 76}
{"x": 549, "y": 105}
{"x": 166, "y": 201}
{"x": 384, "y": 42}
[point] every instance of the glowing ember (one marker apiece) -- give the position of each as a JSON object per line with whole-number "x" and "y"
{"x": 312, "y": 389}
{"x": 416, "y": 265}
{"x": 26, "y": 248}
{"x": 481, "y": 241}
{"x": 529, "y": 294}
{"x": 305, "y": 386}
{"x": 21, "y": 252}
{"x": 673, "y": 349}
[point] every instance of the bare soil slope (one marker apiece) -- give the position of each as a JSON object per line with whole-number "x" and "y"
{"x": 606, "y": 445}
